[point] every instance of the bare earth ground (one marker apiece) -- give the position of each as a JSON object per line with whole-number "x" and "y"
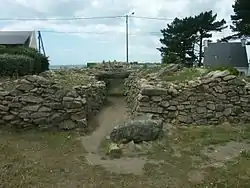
{"x": 111, "y": 115}
{"x": 194, "y": 157}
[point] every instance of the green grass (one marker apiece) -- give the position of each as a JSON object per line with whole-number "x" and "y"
{"x": 66, "y": 78}
{"x": 146, "y": 70}
{"x": 191, "y": 141}
{"x": 56, "y": 159}
{"x": 43, "y": 159}
{"x": 69, "y": 79}
{"x": 235, "y": 174}
{"x": 183, "y": 75}
{"x": 104, "y": 146}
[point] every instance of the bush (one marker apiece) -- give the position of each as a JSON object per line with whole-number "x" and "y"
{"x": 16, "y": 65}
{"x": 91, "y": 65}
{"x": 232, "y": 70}
{"x": 40, "y": 62}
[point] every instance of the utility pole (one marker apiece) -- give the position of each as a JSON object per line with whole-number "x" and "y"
{"x": 40, "y": 44}
{"x": 39, "y": 41}
{"x": 127, "y": 60}
{"x": 127, "y": 38}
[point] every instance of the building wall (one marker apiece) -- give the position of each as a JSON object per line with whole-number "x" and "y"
{"x": 225, "y": 54}
{"x": 244, "y": 70}
{"x": 33, "y": 40}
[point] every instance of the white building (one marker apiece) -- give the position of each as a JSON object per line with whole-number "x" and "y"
{"x": 18, "y": 38}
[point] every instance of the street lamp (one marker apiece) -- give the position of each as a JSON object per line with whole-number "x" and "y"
{"x": 127, "y": 34}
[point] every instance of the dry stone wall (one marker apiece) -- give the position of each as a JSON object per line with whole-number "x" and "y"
{"x": 211, "y": 99}
{"x": 113, "y": 74}
{"x": 36, "y": 101}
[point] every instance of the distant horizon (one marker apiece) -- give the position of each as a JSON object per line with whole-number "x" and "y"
{"x": 66, "y": 66}
{"x": 58, "y": 65}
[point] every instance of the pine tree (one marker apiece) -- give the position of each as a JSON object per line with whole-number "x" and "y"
{"x": 205, "y": 24}
{"x": 178, "y": 41}
{"x": 180, "y": 37}
{"x": 241, "y": 18}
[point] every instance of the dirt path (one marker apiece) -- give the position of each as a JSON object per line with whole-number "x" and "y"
{"x": 115, "y": 112}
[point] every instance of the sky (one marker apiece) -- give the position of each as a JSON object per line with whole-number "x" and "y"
{"x": 71, "y": 42}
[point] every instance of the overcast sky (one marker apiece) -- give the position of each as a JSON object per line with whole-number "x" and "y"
{"x": 81, "y": 41}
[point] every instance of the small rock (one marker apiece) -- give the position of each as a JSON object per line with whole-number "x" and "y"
{"x": 37, "y": 115}
{"x": 25, "y": 87}
{"x": 31, "y": 99}
{"x": 68, "y": 99}
{"x": 67, "y": 125}
{"x": 8, "y": 117}
{"x": 56, "y": 118}
{"x": 82, "y": 123}
{"x": 165, "y": 104}
{"x": 114, "y": 151}
{"x": 229, "y": 77}
{"x": 156, "y": 98}
{"x": 44, "y": 109}
{"x": 153, "y": 91}
{"x": 72, "y": 104}
{"x": 4, "y": 108}
{"x": 32, "y": 108}
{"x": 4, "y": 93}
{"x": 131, "y": 146}
{"x": 185, "y": 119}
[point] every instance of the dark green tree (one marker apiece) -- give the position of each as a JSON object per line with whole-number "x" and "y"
{"x": 205, "y": 24}
{"x": 241, "y": 18}
{"x": 181, "y": 36}
{"x": 177, "y": 41}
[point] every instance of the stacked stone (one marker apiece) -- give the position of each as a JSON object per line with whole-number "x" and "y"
{"x": 35, "y": 101}
{"x": 214, "y": 98}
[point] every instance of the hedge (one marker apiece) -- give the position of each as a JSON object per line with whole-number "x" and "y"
{"x": 16, "y": 65}
{"x": 30, "y": 59}
{"x": 91, "y": 65}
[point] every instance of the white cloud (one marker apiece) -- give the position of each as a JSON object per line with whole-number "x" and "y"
{"x": 143, "y": 45}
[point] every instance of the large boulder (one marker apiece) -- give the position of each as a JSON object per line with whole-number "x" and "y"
{"x": 137, "y": 131}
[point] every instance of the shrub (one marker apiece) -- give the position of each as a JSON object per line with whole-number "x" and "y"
{"x": 40, "y": 62}
{"x": 232, "y": 70}
{"x": 16, "y": 65}
{"x": 91, "y": 65}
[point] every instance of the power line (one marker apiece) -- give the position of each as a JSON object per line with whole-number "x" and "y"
{"x": 74, "y": 32}
{"x": 60, "y": 19}
{"x": 152, "y": 18}
{"x": 100, "y": 33}
{"x": 87, "y": 18}
{"x": 83, "y": 18}
{"x": 149, "y": 33}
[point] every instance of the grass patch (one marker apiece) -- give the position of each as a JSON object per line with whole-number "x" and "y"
{"x": 104, "y": 146}
{"x": 235, "y": 174}
{"x": 189, "y": 142}
{"x": 34, "y": 159}
{"x": 56, "y": 159}
{"x": 245, "y": 154}
{"x": 183, "y": 75}
{"x": 44, "y": 159}
{"x": 69, "y": 78}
